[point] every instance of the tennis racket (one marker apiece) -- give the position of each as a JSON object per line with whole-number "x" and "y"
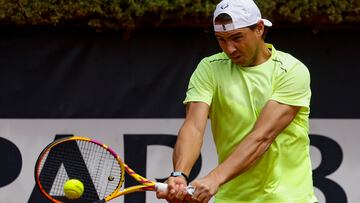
{"x": 96, "y": 165}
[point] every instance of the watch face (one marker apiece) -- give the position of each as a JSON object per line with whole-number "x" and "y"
{"x": 176, "y": 173}
{"x": 179, "y": 173}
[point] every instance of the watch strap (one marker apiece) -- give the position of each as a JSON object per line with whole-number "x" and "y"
{"x": 179, "y": 173}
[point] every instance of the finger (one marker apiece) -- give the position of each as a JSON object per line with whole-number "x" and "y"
{"x": 202, "y": 197}
{"x": 179, "y": 180}
{"x": 176, "y": 192}
{"x": 174, "y": 182}
{"x": 194, "y": 201}
{"x": 204, "y": 194}
{"x": 196, "y": 194}
{"x": 170, "y": 196}
{"x": 181, "y": 192}
{"x": 161, "y": 194}
{"x": 171, "y": 185}
{"x": 207, "y": 199}
{"x": 194, "y": 198}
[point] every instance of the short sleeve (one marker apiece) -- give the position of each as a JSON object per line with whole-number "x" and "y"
{"x": 292, "y": 86}
{"x": 201, "y": 84}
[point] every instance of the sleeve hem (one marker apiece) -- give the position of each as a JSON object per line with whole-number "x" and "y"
{"x": 292, "y": 103}
{"x": 197, "y": 100}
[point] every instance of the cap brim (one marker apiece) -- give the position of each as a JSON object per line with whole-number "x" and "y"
{"x": 267, "y": 23}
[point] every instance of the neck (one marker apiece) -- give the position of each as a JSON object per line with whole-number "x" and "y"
{"x": 263, "y": 54}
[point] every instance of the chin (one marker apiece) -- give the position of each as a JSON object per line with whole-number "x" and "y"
{"x": 239, "y": 62}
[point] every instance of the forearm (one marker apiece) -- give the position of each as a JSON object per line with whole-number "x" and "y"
{"x": 274, "y": 118}
{"x": 242, "y": 158}
{"x": 187, "y": 148}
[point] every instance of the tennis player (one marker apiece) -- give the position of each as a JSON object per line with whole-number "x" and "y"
{"x": 257, "y": 99}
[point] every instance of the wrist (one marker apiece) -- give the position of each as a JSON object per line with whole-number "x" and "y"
{"x": 180, "y": 174}
{"x": 218, "y": 177}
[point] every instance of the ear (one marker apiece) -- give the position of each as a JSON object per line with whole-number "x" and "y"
{"x": 260, "y": 28}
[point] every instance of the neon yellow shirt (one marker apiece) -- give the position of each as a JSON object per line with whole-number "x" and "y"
{"x": 236, "y": 96}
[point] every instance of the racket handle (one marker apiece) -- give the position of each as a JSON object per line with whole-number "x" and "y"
{"x": 164, "y": 187}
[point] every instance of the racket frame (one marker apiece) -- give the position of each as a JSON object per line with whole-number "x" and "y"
{"x": 146, "y": 185}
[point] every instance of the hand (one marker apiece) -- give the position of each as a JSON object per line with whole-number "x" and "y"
{"x": 176, "y": 190}
{"x": 205, "y": 189}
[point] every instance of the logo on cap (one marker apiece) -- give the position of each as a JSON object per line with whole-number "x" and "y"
{"x": 224, "y": 6}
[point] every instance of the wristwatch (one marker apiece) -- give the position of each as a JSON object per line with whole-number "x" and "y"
{"x": 179, "y": 173}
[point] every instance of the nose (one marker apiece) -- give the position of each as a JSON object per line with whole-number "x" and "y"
{"x": 230, "y": 48}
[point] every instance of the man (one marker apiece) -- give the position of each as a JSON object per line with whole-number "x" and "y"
{"x": 257, "y": 99}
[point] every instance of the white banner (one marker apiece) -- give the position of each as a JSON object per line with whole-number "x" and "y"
{"x": 335, "y": 173}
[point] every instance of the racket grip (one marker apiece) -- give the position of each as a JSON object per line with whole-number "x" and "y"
{"x": 163, "y": 187}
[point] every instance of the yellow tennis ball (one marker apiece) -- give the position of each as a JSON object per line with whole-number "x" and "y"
{"x": 73, "y": 189}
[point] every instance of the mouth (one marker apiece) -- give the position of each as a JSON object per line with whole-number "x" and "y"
{"x": 235, "y": 57}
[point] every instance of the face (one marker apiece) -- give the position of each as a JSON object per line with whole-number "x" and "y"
{"x": 241, "y": 45}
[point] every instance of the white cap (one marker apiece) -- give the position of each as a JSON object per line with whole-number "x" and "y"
{"x": 242, "y": 12}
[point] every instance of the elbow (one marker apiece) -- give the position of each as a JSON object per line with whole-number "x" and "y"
{"x": 264, "y": 139}
{"x": 266, "y": 136}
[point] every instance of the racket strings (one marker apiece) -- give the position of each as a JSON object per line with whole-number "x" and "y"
{"x": 91, "y": 163}
{"x": 102, "y": 165}
{"x": 61, "y": 176}
{"x": 109, "y": 175}
{"x": 113, "y": 180}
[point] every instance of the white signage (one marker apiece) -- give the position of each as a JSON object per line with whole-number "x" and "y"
{"x": 336, "y": 164}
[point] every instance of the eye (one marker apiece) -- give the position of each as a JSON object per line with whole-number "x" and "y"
{"x": 237, "y": 38}
{"x": 221, "y": 39}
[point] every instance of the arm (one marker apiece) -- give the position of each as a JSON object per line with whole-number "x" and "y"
{"x": 190, "y": 138}
{"x": 187, "y": 149}
{"x": 273, "y": 119}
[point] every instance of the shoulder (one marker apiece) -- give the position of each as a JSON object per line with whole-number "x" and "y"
{"x": 219, "y": 58}
{"x": 209, "y": 68}
{"x": 288, "y": 63}
{"x": 214, "y": 63}
{"x": 290, "y": 73}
